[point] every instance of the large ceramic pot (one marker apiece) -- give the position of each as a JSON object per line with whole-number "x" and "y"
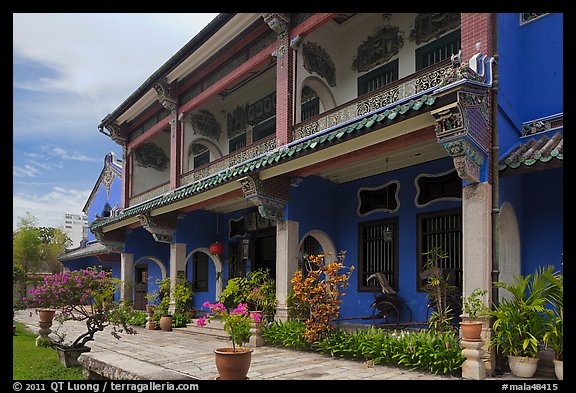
{"x": 523, "y": 366}
{"x": 46, "y": 315}
{"x": 233, "y": 364}
{"x": 471, "y": 330}
{"x": 69, "y": 355}
{"x": 166, "y": 323}
{"x": 559, "y": 369}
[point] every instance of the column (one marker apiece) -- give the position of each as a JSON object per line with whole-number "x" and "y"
{"x": 286, "y": 263}
{"x": 177, "y": 263}
{"x": 477, "y": 250}
{"x": 126, "y": 274}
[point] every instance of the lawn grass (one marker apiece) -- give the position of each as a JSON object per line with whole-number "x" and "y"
{"x": 37, "y": 363}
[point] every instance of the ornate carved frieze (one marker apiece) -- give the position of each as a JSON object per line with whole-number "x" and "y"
{"x": 162, "y": 234}
{"x": 165, "y": 95}
{"x": 205, "y": 123}
{"x": 115, "y": 133}
{"x": 380, "y": 47}
{"x": 317, "y": 60}
{"x": 543, "y": 125}
{"x": 432, "y": 25}
{"x": 250, "y": 114}
{"x": 526, "y": 17}
{"x": 270, "y": 208}
{"x": 461, "y": 71}
{"x": 150, "y": 155}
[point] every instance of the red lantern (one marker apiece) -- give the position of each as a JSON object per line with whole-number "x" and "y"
{"x": 217, "y": 248}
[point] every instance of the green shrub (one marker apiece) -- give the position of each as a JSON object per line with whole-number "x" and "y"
{"x": 437, "y": 353}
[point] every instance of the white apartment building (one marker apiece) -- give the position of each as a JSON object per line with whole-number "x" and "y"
{"x": 76, "y": 227}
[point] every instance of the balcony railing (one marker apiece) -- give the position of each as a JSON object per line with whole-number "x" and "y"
{"x": 374, "y": 100}
{"x": 389, "y": 94}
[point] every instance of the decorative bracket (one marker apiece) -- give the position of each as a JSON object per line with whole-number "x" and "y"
{"x": 165, "y": 96}
{"x": 462, "y": 128}
{"x": 113, "y": 245}
{"x": 116, "y": 133}
{"x": 271, "y": 208}
{"x": 162, "y": 234}
{"x": 277, "y": 22}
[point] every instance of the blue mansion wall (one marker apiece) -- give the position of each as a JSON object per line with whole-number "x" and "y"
{"x": 537, "y": 199}
{"x": 100, "y": 199}
{"x": 318, "y": 204}
{"x": 530, "y": 72}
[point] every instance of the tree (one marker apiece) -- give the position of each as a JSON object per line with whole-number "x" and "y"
{"x": 35, "y": 249}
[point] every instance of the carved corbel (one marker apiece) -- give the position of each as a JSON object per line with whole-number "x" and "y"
{"x": 165, "y": 95}
{"x": 116, "y": 133}
{"x": 468, "y": 159}
{"x": 161, "y": 234}
{"x": 462, "y": 128}
{"x": 277, "y": 22}
{"x": 113, "y": 245}
{"x": 268, "y": 207}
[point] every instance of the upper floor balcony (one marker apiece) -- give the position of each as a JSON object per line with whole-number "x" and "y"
{"x": 224, "y": 112}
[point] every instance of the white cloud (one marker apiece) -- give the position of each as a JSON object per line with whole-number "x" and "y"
{"x": 49, "y": 208}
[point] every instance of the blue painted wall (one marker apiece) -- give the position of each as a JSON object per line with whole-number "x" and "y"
{"x": 317, "y": 204}
{"x": 100, "y": 200}
{"x": 538, "y": 201}
{"x": 530, "y": 73}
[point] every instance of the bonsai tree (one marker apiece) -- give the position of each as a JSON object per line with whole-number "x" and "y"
{"x": 521, "y": 322}
{"x": 83, "y": 295}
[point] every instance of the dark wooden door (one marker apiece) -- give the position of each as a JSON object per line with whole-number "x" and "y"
{"x": 140, "y": 287}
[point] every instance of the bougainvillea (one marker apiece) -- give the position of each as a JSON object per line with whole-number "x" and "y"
{"x": 82, "y": 295}
{"x": 236, "y": 322}
{"x": 322, "y": 290}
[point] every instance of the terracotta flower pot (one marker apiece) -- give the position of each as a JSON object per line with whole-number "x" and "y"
{"x": 233, "y": 364}
{"x": 166, "y": 323}
{"x": 471, "y": 330}
{"x": 46, "y": 315}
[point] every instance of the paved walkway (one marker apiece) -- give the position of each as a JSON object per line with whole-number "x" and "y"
{"x": 189, "y": 354}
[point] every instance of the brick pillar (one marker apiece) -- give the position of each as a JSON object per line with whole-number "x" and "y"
{"x": 175, "y": 150}
{"x": 476, "y": 27}
{"x": 284, "y": 89}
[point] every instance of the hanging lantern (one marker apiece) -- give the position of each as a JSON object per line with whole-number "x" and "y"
{"x": 217, "y": 248}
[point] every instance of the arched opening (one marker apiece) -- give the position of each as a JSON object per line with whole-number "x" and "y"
{"x": 200, "y": 152}
{"x": 508, "y": 246}
{"x": 197, "y": 268}
{"x": 145, "y": 278}
{"x": 313, "y": 243}
{"x": 315, "y": 98}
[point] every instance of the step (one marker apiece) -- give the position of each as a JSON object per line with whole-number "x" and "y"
{"x": 214, "y": 328}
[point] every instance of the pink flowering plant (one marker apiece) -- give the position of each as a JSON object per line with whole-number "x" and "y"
{"x": 236, "y": 322}
{"x": 82, "y": 295}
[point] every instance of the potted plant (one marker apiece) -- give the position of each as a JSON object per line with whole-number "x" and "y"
{"x": 521, "y": 321}
{"x": 554, "y": 336}
{"x": 475, "y": 307}
{"x": 80, "y": 295}
{"x": 232, "y": 363}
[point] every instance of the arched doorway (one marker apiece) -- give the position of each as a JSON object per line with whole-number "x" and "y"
{"x": 143, "y": 275}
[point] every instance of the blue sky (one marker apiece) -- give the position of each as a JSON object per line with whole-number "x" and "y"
{"x": 69, "y": 71}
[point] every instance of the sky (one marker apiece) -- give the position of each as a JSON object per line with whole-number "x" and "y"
{"x": 70, "y": 71}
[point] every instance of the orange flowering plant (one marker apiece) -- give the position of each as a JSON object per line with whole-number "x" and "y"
{"x": 322, "y": 290}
